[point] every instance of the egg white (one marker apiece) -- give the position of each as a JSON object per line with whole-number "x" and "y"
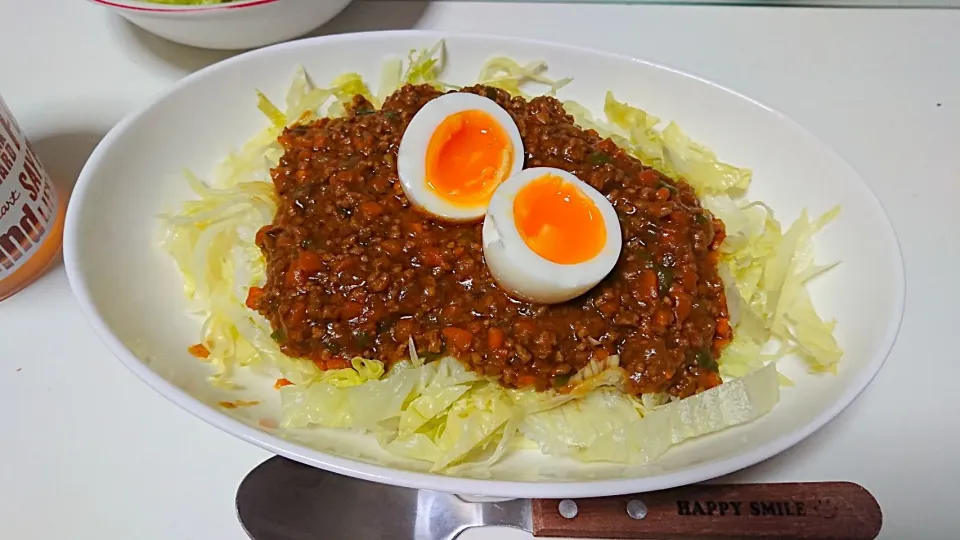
{"x": 521, "y": 271}
{"x": 411, "y": 156}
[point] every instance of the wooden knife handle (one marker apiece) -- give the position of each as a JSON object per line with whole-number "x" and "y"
{"x": 801, "y": 511}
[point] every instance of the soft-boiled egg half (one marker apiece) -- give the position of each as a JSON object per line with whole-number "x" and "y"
{"x": 456, "y": 151}
{"x": 549, "y": 237}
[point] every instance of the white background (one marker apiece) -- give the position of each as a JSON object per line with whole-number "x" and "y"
{"x": 91, "y": 452}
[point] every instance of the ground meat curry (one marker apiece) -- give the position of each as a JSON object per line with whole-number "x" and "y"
{"x": 353, "y": 270}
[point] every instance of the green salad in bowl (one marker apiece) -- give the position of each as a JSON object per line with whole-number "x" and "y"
{"x": 226, "y": 24}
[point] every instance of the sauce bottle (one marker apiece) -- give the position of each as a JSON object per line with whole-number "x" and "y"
{"x": 31, "y": 213}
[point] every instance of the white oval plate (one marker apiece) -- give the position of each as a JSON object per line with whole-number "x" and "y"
{"x": 132, "y": 294}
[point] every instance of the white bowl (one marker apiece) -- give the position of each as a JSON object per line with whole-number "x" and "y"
{"x": 131, "y": 292}
{"x": 244, "y": 24}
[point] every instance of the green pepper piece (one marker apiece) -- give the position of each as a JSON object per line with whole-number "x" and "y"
{"x": 599, "y": 158}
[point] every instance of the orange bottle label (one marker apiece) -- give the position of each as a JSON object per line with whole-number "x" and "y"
{"x": 29, "y": 209}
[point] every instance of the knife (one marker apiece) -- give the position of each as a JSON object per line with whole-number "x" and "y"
{"x": 285, "y": 500}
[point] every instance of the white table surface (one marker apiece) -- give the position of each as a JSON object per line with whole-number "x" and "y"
{"x": 93, "y": 453}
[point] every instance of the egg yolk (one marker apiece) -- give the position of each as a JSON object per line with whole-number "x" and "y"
{"x": 558, "y": 222}
{"x": 468, "y": 156}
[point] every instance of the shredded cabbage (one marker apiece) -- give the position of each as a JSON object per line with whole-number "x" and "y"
{"x": 441, "y": 413}
{"x": 765, "y": 271}
{"x": 507, "y": 74}
{"x": 607, "y": 425}
{"x": 438, "y": 411}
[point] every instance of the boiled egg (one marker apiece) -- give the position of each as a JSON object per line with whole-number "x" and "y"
{"x": 549, "y": 237}
{"x": 456, "y": 151}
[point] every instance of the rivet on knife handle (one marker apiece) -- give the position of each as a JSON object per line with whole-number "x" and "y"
{"x": 800, "y": 511}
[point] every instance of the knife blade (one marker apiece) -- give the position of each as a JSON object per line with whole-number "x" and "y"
{"x": 282, "y": 499}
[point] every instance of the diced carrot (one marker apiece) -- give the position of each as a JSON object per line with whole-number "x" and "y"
{"x": 309, "y": 262}
{"x": 253, "y": 297}
{"x": 457, "y": 337}
{"x": 292, "y": 277}
{"x": 431, "y": 256}
{"x": 723, "y": 328}
{"x": 649, "y": 285}
{"x": 305, "y": 265}
{"x": 391, "y": 247}
{"x": 449, "y": 312}
{"x": 261, "y": 232}
{"x": 722, "y": 335}
{"x": 718, "y": 345}
{"x": 199, "y": 350}
{"x": 682, "y": 306}
{"x": 600, "y": 354}
{"x": 495, "y": 338}
{"x": 687, "y": 279}
{"x": 609, "y": 306}
{"x": 650, "y": 176}
{"x": 524, "y": 326}
{"x": 526, "y": 380}
{"x": 337, "y": 363}
{"x": 351, "y": 310}
{"x": 402, "y": 330}
{"x": 607, "y": 146}
{"x": 281, "y": 383}
{"x": 297, "y": 315}
{"x": 709, "y": 380}
{"x": 371, "y": 208}
{"x": 345, "y": 263}
{"x": 662, "y": 317}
